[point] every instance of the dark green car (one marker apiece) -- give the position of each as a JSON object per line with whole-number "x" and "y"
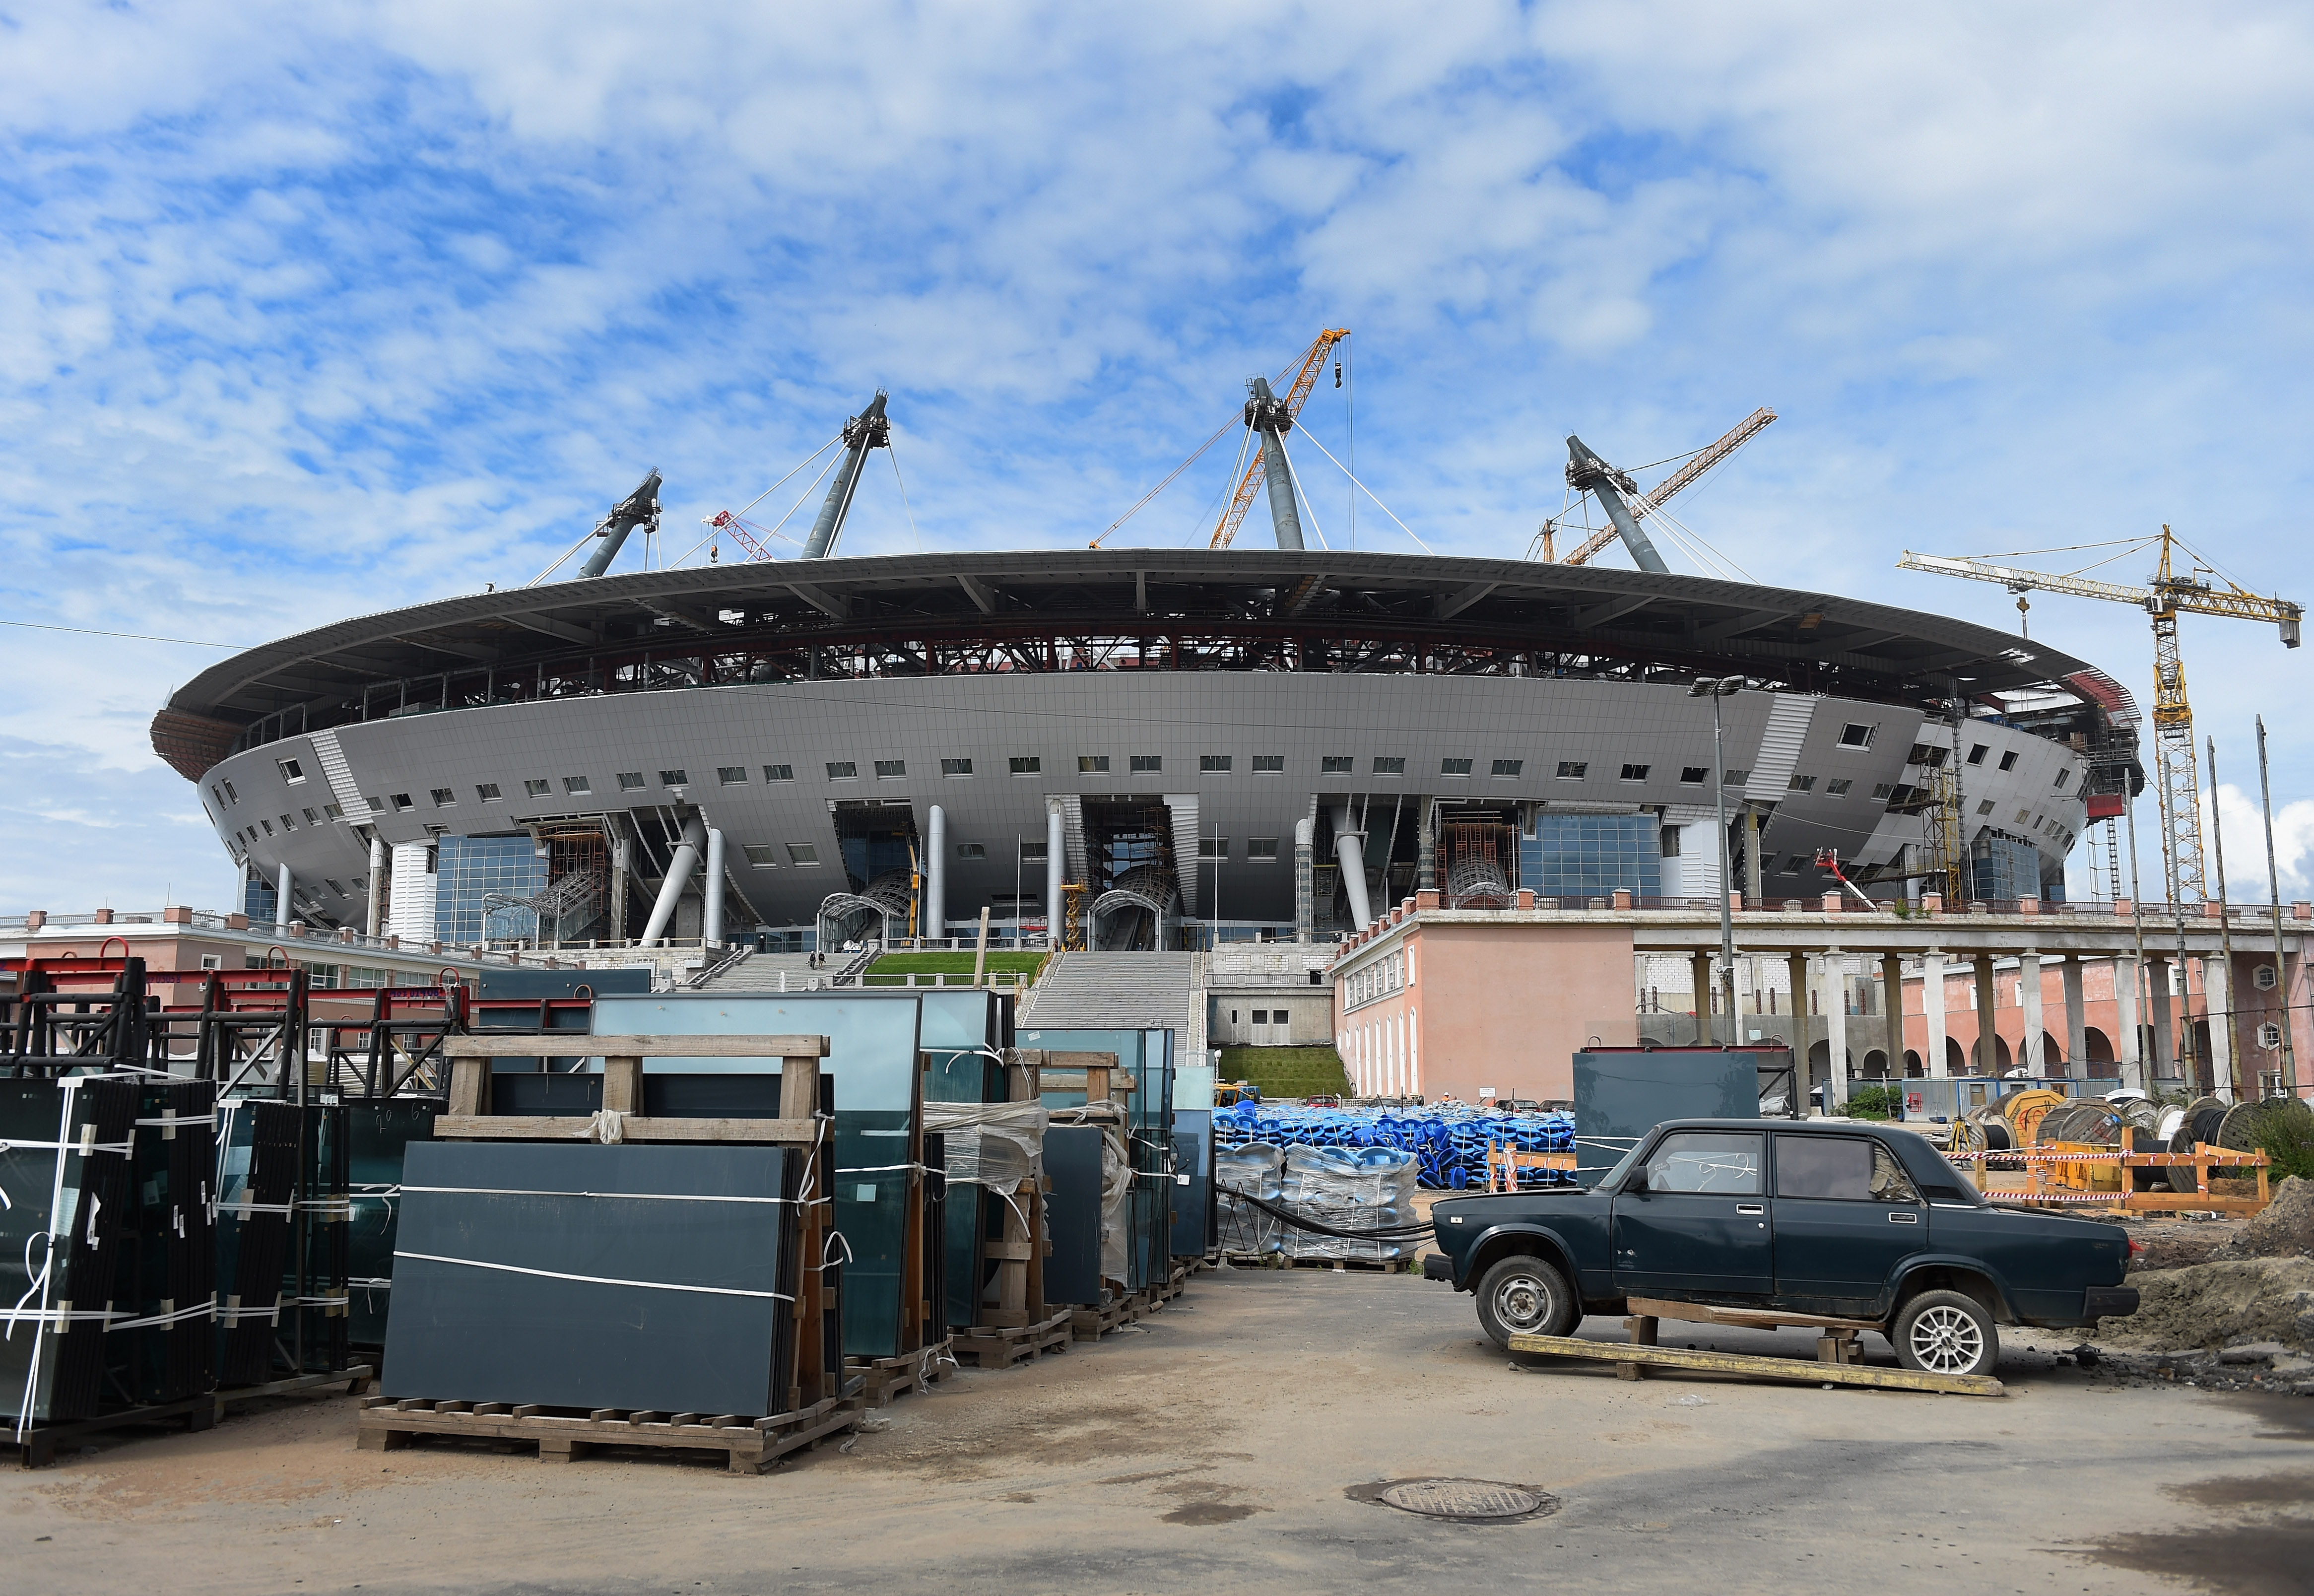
{"x": 1825, "y": 1221}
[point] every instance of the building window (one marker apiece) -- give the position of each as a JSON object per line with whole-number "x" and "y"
{"x": 334, "y": 813}
{"x": 2269, "y": 1035}
{"x": 1146, "y": 764}
{"x": 761, "y": 855}
{"x": 1794, "y": 865}
{"x": 288, "y": 825}
{"x": 291, "y": 771}
{"x": 2008, "y": 760}
{"x": 1985, "y": 807}
{"x": 1337, "y": 764}
{"x": 488, "y": 792}
{"x": 2022, "y": 816}
{"x": 533, "y": 788}
{"x": 331, "y": 882}
{"x": 267, "y": 826}
{"x": 1213, "y": 847}
{"x": 1839, "y": 789}
{"x": 1801, "y": 784}
{"x": 1573, "y": 770}
{"x": 779, "y": 772}
{"x": 444, "y": 797}
{"x": 1694, "y": 775}
{"x": 674, "y": 777}
{"x": 1509, "y": 767}
{"x": 1030, "y": 764}
{"x": 1454, "y": 767}
{"x": 843, "y": 770}
{"x": 956, "y": 767}
{"x": 577, "y": 784}
{"x": 310, "y": 818}
{"x": 1269, "y": 764}
{"x": 1852, "y": 736}
{"x": 1976, "y": 754}
{"x": 1092, "y": 765}
{"x": 730, "y": 775}
{"x": 2263, "y": 978}
{"x": 403, "y": 804}
{"x": 1033, "y": 851}
{"x": 1668, "y": 842}
{"x": 1735, "y": 778}
{"x": 1261, "y": 851}
{"x": 216, "y": 795}
{"x": 802, "y": 854}
{"x": 631, "y": 781}
{"x": 1882, "y": 790}
{"x": 889, "y": 769}
{"x": 1389, "y": 764}
{"x": 971, "y": 851}
{"x": 1636, "y": 773}
{"x": 230, "y": 794}
{"x": 2062, "y": 777}
{"x": 1213, "y": 764}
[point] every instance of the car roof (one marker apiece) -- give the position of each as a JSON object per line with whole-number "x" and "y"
{"x": 1806, "y": 1127}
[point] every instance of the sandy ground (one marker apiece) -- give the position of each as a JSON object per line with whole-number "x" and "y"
{"x": 1222, "y": 1446}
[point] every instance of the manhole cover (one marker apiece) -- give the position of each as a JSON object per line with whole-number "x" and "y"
{"x": 1463, "y": 1499}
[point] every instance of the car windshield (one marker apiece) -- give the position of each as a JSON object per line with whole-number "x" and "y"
{"x": 1614, "y": 1179}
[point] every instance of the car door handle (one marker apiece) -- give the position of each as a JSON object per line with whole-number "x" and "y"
{"x": 1903, "y": 1219}
{"x": 1750, "y": 1208}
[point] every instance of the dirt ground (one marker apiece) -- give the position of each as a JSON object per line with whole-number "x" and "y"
{"x": 1220, "y": 1446}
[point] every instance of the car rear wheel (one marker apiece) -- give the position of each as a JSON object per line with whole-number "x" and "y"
{"x": 1944, "y": 1332}
{"x": 1525, "y": 1295}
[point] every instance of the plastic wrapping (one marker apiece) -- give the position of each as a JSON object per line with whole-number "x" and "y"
{"x": 1449, "y": 1144}
{"x": 1366, "y": 1189}
{"x": 997, "y": 1145}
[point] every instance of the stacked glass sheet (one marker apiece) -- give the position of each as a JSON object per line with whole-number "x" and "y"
{"x": 162, "y": 1340}
{"x": 64, "y": 1169}
{"x": 378, "y": 1134}
{"x": 258, "y": 1146}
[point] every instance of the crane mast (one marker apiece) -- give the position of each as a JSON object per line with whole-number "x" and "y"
{"x": 1643, "y": 504}
{"x": 1269, "y": 414}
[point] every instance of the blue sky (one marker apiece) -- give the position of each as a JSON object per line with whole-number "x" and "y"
{"x": 312, "y": 310}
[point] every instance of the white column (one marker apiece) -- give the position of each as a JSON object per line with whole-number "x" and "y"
{"x": 373, "y": 924}
{"x": 2032, "y": 1055}
{"x": 2159, "y": 996}
{"x": 2128, "y": 1046}
{"x": 2217, "y": 993}
{"x": 284, "y": 911}
{"x": 1413, "y": 1052}
{"x": 1055, "y": 872}
{"x": 1350, "y": 853}
{"x": 678, "y": 876}
{"x": 710, "y": 919}
{"x": 1835, "y": 1015}
{"x": 936, "y": 877}
{"x": 1932, "y": 1005}
{"x": 2077, "y": 1025}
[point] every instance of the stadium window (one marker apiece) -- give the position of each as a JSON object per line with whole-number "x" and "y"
{"x": 730, "y": 775}
{"x": 888, "y": 769}
{"x": 1261, "y": 851}
{"x": 956, "y": 767}
{"x": 2062, "y": 777}
{"x": 331, "y": 882}
{"x": 1853, "y": 735}
{"x": 1092, "y": 765}
{"x": 1882, "y": 790}
{"x": 1337, "y": 764}
{"x": 1573, "y": 770}
{"x": 2008, "y": 760}
{"x": 779, "y": 772}
{"x": 216, "y": 795}
{"x": 335, "y": 813}
{"x": 1213, "y": 847}
{"x": 1269, "y": 764}
{"x": 1801, "y": 784}
{"x": 1976, "y": 754}
{"x": 1735, "y": 778}
{"x": 233, "y": 797}
{"x": 674, "y": 777}
{"x": 1033, "y": 851}
{"x": 1213, "y": 764}
{"x": 487, "y": 792}
{"x": 1668, "y": 842}
{"x": 1694, "y": 775}
{"x": 288, "y": 825}
{"x": 1839, "y": 789}
{"x": 2021, "y": 815}
{"x": 577, "y": 784}
{"x": 1030, "y": 764}
{"x": 1795, "y": 864}
{"x": 291, "y": 771}
{"x": 531, "y": 788}
{"x": 444, "y": 797}
{"x": 802, "y": 854}
{"x": 267, "y": 826}
{"x": 1454, "y": 767}
{"x": 310, "y": 817}
{"x": 1636, "y": 773}
{"x": 1389, "y": 764}
{"x": 971, "y": 851}
{"x": 1509, "y": 767}
{"x": 1146, "y": 764}
{"x": 761, "y": 855}
{"x": 631, "y": 781}
{"x": 403, "y": 804}
{"x": 1985, "y": 807}
{"x": 843, "y": 770}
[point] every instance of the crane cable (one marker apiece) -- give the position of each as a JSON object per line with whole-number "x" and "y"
{"x": 1168, "y": 482}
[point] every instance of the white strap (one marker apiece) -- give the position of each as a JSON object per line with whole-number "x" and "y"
{"x": 492, "y": 1191}
{"x": 646, "y": 1285}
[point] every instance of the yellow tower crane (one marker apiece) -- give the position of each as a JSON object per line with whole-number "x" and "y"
{"x": 1643, "y": 504}
{"x": 2169, "y": 594}
{"x": 1305, "y": 377}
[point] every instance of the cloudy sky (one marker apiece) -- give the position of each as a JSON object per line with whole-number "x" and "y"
{"x": 308, "y": 310}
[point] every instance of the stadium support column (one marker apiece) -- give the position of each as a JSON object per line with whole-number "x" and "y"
{"x": 867, "y": 430}
{"x": 2029, "y": 985}
{"x": 1350, "y": 852}
{"x": 2131, "y": 1044}
{"x": 373, "y": 923}
{"x": 2156, "y": 1020}
{"x": 1305, "y": 908}
{"x": 1585, "y": 470}
{"x": 1056, "y": 873}
{"x": 1752, "y": 888}
{"x": 1988, "y": 1019}
{"x": 2077, "y": 1025}
{"x": 1932, "y": 1009}
{"x": 1891, "y": 1012}
{"x": 623, "y": 857}
{"x": 678, "y": 876}
{"x": 1267, "y": 414}
{"x": 1835, "y": 1021}
{"x": 710, "y": 919}
{"x": 284, "y": 910}
{"x": 1700, "y": 980}
{"x": 936, "y": 874}
{"x": 1426, "y": 854}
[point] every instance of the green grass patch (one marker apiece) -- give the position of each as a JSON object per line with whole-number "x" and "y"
{"x": 1028, "y": 965}
{"x": 1288, "y": 1071}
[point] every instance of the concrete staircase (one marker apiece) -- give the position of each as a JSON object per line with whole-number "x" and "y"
{"x": 760, "y": 972}
{"x": 1115, "y": 991}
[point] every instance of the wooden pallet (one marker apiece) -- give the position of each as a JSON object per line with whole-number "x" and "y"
{"x": 1278, "y": 1260}
{"x": 887, "y": 1379}
{"x": 751, "y": 1445}
{"x": 1090, "y": 1324}
{"x": 38, "y": 1446}
{"x": 999, "y": 1346}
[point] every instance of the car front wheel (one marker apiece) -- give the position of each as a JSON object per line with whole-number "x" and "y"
{"x": 1524, "y": 1295}
{"x": 1946, "y": 1332}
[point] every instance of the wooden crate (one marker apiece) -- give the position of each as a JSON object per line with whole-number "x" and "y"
{"x": 887, "y": 1379}
{"x": 750, "y": 1445}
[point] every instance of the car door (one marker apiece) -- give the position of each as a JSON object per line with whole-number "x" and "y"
{"x": 1694, "y": 1222}
{"x": 1844, "y": 1216}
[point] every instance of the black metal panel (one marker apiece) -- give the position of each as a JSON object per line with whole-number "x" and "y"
{"x": 532, "y": 1095}
{"x": 1072, "y": 1213}
{"x": 1193, "y": 1182}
